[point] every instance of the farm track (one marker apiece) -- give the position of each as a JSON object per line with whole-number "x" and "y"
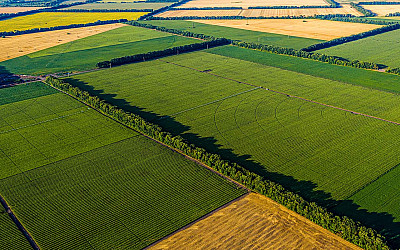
{"x": 283, "y": 93}
{"x": 18, "y": 223}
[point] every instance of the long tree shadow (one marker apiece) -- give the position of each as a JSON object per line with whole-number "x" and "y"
{"x": 383, "y": 222}
{"x": 7, "y": 78}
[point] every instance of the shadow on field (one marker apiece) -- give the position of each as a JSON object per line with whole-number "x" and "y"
{"x": 383, "y": 222}
{"x": 7, "y": 78}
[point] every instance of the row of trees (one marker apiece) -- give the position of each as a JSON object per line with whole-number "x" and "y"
{"x": 309, "y": 55}
{"x": 351, "y": 38}
{"x": 295, "y": 7}
{"x": 36, "y": 30}
{"x": 393, "y": 14}
{"x": 163, "y": 53}
{"x": 394, "y": 71}
{"x": 232, "y": 17}
{"x": 163, "y": 9}
{"x": 365, "y": 12}
{"x": 350, "y": 19}
{"x": 269, "y": 48}
{"x": 345, "y": 227}
{"x": 378, "y": 3}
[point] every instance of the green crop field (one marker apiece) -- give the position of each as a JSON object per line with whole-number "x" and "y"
{"x": 83, "y": 54}
{"x": 202, "y": 97}
{"x": 10, "y": 236}
{"x": 237, "y": 34}
{"x": 78, "y": 180}
{"x": 383, "y": 48}
{"x": 119, "y": 6}
{"x": 366, "y": 78}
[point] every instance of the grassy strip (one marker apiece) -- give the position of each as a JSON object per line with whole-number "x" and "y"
{"x": 343, "y": 226}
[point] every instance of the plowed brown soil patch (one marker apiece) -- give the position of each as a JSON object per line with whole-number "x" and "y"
{"x": 254, "y": 222}
{"x": 21, "y": 45}
{"x": 309, "y": 28}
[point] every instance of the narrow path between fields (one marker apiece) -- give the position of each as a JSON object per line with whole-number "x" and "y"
{"x": 282, "y": 93}
{"x": 18, "y": 223}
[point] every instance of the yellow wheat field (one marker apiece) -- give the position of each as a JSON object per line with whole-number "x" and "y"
{"x": 250, "y": 3}
{"x": 309, "y": 28}
{"x": 254, "y": 222}
{"x": 16, "y": 46}
{"x": 11, "y": 10}
{"x": 382, "y": 10}
{"x": 346, "y": 9}
{"x": 51, "y": 19}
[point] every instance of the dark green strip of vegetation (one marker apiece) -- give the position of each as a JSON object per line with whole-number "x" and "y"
{"x": 343, "y": 226}
{"x": 359, "y": 8}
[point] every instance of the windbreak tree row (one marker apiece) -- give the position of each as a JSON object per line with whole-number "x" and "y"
{"x": 345, "y": 227}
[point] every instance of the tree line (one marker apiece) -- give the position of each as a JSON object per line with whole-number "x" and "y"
{"x": 162, "y": 53}
{"x": 351, "y": 38}
{"x": 163, "y": 9}
{"x": 295, "y": 7}
{"x": 343, "y": 226}
{"x": 378, "y": 3}
{"x": 393, "y": 14}
{"x": 365, "y": 12}
{"x": 234, "y": 17}
{"x": 269, "y": 48}
{"x": 351, "y": 19}
{"x": 36, "y": 30}
{"x": 394, "y": 71}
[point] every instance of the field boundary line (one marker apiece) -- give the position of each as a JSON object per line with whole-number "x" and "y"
{"x": 199, "y": 219}
{"x": 208, "y": 103}
{"x": 15, "y": 219}
{"x": 159, "y": 142}
{"x": 288, "y": 95}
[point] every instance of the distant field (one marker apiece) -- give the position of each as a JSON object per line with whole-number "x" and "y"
{"x": 250, "y": 3}
{"x": 21, "y": 45}
{"x": 94, "y": 183}
{"x": 51, "y": 19}
{"x": 10, "y": 236}
{"x": 383, "y": 48}
{"x": 254, "y": 222}
{"x": 309, "y": 28}
{"x": 237, "y": 34}
{"x": 346, "y": 9}
{"x": 83, "y": 54}
{"x": 11, "y": 10}
{"x": 382, "y": 10}
{"x": 119, "y": 6}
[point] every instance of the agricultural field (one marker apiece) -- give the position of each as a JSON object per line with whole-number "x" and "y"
{"x": 251, "y": 3}
{"x": 275, "y": 134}
{"x": 247, "y": 224}
{"x": 383, "y": 48}
{"x": 236, "y": 33}
{"x": 346, "y": 9}
{"x": 10, "y": 236}
{"x": 91, "y": 181}
{"x": 16, "y": 46}
{"x": 52, "y": 19}
{"x": 83, "y": 54}
{"x": 119, "y": 6}
{"x": 308, "y": 28}
{"x": 382, "y": 10}
{"x": 11, "y": 10}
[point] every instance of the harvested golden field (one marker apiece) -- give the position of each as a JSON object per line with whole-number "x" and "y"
{"x": 309, "y": 28}
{"x": 382, "y": 10}
{"x": 347, "y": 9}
{"x": 250, "y": 3}
{"x": 12, "y": 10}
{"x": 16, "y": 46}
{"x": 254, "y": 222}
{"x": 51, "y": 19}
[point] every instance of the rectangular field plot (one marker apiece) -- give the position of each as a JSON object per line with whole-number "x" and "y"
{"x": 334, "y": 149}
{"x": 308, "y": 28}
{"x": 383, "y": 48}
{"x": 47, "y": 127}
{"x": 79, "y": 180}
{"x": 10, "y": 236}
{"x": 21, "y": 45}
{"x": 382, "y": 10}
{"x": 124, "y": 195}
{"x": 83, "y": 54}
{"x": 51, "y": 19}
{"x": 235, "y": 33}
{"x": 251, "y": 3}
{"x": 119, "y": 6}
